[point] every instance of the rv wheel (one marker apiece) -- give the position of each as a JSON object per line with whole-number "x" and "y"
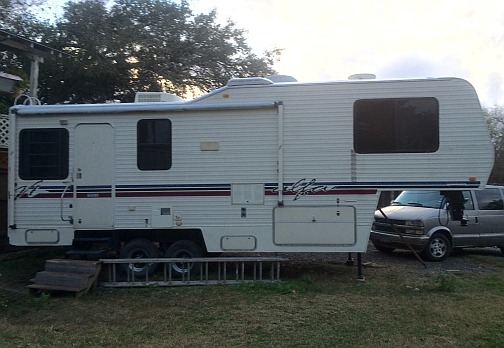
{"x": 139, "y": 249}
{"x": 184, "y": 249}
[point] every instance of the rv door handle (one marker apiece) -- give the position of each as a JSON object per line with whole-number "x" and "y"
{"x": 67, "y": 188}
{"x": 79, "y": 175}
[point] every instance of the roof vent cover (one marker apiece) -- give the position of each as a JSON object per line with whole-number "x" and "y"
{"x": 155, "y": 97}
{"x": 362, "y": 77}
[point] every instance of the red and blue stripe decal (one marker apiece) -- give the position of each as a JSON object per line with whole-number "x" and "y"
{"x": 297, "y": 189}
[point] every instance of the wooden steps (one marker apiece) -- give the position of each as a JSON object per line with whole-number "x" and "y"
{"x": 77, "y": 276}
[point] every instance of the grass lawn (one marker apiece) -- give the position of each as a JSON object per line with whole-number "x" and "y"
{"x": 318, "y": 305}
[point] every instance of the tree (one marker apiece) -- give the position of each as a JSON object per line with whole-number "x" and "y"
{"x": 11, "y": 10}
{"x": 143, "y": 45}
{"x": 495, "y": 120}
{"x": 92, "y": 73}
{"x": 13, "y": 17}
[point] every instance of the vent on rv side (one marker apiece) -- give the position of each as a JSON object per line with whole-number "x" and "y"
{"x": 153, "y": 97}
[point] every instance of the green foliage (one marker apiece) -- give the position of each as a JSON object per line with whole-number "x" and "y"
{"x": 138, "y": 45}
{"x": 7, "y": 98}
{"x": 495, "y": 120}
{"x": 42, "y": 299}
{"x": 5, "y": 102}
{"x": 446, "y": 282}
{"x": 11, "y": 7}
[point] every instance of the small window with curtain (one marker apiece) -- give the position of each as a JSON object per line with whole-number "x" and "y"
{"x": 396, "y": 125}
{"x": 154, "y": 144}
{"x": 43, "y": 154}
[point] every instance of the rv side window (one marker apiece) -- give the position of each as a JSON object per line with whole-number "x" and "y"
{"x": 396, "y": 125}
{"x": 154, "y": 144}
{"x": 43, "y": 154}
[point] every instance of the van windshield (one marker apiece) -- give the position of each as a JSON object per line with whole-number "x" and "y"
{"x": 427, "y": 199}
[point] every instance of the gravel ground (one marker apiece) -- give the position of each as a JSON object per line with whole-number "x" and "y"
{"x": 405, "y": 261}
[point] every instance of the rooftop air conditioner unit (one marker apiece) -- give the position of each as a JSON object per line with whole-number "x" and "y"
{"x": 155, "y": 97}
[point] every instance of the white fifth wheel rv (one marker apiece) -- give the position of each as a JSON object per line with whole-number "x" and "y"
{"x": 255, "y": 166}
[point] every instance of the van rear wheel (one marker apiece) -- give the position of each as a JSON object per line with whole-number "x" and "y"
{"x": 438, "y": 248}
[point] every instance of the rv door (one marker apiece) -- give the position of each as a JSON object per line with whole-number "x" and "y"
{"x": 94, "y": 168}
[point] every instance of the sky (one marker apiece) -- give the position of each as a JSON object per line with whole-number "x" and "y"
{"x": 325, "y": 40}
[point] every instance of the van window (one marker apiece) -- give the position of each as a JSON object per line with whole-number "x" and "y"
{"x": 43, "y": 154}
{"x": 490, "y": 199}
{"x": 469, "y": 204}
{"x": 429, "y": 199}
{"x": 396, "y": 125}
{"x": 154, "y": 144}
{"x": 425, "y": 199}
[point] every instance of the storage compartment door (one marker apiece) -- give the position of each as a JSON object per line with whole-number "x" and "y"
{"x": 307, "y": 225}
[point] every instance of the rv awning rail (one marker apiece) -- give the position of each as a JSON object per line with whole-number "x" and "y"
{"x": 136, "y": 107}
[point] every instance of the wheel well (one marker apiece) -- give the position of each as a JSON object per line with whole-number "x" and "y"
{"x": 165, "y": 237}
{"x": 444, "y": 232}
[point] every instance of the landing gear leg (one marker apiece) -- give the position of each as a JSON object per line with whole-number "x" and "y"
{"x": 349, "y": 260}
{"x": 360, "y": 277}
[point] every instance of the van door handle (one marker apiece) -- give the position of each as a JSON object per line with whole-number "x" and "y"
{"x": 476, "y": 219}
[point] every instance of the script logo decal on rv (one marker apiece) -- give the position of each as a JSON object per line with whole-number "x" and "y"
{"x": 304, "y": 187}
{"x": 27, "y": 191}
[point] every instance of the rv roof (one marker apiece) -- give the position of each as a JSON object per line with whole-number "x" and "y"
{"x": 194, "y": 105}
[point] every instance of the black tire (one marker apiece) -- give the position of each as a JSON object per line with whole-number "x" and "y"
{"x": 438, "y": 249}
{"x": 185, "y": 249}
{"x": 383, "y": 249}
{"x": 140, "y": 249}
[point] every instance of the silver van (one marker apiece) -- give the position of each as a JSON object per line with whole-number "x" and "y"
{"x": 421, "y": 219}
